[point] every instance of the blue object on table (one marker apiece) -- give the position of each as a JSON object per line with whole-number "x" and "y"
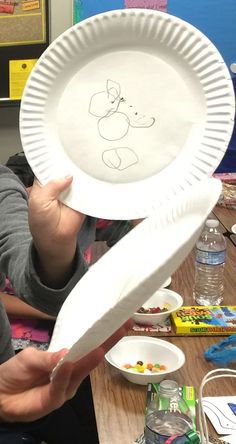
{"x": 222, "y": 353}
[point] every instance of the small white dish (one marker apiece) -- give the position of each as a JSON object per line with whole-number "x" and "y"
{"x": 167, "y": 282}
{"x": 132, "y": 349}
{"x": 161, "y": 298}
{"x": 233, "y": 229}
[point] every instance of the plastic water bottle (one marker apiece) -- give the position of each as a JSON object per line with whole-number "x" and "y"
{"x": 170, "y": 400}
{"x": 209, "y": 265}
{"x": 171, "y": 420}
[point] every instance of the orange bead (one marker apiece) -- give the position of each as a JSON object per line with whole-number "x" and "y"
{"x": 163, "y": 367}
{"x": 127, "y": 366}
{"x": 149, "y": 366}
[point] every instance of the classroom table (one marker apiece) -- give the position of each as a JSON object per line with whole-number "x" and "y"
{"x": 119, "y": 404}
{"x": 227, "y": 218}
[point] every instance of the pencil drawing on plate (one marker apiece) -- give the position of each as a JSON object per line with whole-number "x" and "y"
{"x": 115, "y": 119}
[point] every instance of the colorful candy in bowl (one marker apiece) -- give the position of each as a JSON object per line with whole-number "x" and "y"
{"x": 158, "y": 307}
{"x": 142, "y": 359}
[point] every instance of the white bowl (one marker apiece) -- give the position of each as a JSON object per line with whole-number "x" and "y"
{"x": 167, "y": 282}
{"x": 160, "y": 298}
{"x": 131, "y": 349}
{"x": 233, "y": 229}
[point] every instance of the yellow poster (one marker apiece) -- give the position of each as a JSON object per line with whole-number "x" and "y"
{"x": 19, "y": 71}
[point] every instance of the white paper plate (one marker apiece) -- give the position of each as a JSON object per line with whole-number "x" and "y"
{"x": 136, "y": 104}
{"x": 130, "y": 272}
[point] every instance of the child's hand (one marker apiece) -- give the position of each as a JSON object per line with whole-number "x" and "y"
{"x": 26, "y": 392}
{"x": 54, "y": 228}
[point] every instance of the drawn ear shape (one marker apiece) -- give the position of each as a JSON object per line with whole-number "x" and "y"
{"x": 120, "y": 158}
{"x": 113, "y": 90}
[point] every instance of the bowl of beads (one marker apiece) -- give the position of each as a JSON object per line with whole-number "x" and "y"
{"x": 142, "y": 359}
{"x": 158, "y": 307}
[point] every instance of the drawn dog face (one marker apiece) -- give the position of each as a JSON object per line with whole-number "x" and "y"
{"x": 105, "y": 104}
{"x": 115, "y": 118}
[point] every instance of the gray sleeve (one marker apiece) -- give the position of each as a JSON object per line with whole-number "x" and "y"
{"x": 17, "y": 255}
{"x": 6, "y": 348}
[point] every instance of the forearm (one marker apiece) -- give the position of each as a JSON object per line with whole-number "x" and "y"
{"x": 19, "y": 260}
{"x": 56, "y": 269}
{"x": 41, "y": 296}
{"x": 54, "y": 228}
{"x": 16, "y": 308}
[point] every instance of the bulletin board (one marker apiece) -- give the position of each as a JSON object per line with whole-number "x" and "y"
{"x": 24, "y": 35}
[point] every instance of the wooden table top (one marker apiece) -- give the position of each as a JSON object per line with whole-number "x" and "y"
{"x": 119, "y": 405}
{"x": 226, "y": 216}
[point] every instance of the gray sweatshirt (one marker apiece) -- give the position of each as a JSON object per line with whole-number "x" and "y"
{"x": 18, "y": 258}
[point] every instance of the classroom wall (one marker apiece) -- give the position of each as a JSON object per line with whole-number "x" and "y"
{"x": 9, "y": 132}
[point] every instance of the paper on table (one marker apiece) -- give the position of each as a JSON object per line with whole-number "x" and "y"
{"x": 220, "y": 414}
{"x": 165, "y": 327}
{"x": 231, "y": 439}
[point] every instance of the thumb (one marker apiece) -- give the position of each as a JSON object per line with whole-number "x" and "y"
{"x": 53, "y": 188}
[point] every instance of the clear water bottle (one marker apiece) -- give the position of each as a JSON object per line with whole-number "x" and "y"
{"x": 170, "y": 399}
{"x": 171, "y": 420}
{"x": 209, "y": 265}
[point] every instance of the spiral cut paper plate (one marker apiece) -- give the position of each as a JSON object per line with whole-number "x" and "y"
{"x": 136, "y": 104}
{"x": 130, "y": 272}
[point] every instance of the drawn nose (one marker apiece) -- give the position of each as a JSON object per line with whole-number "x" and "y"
{"x": 141, "y": 121}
